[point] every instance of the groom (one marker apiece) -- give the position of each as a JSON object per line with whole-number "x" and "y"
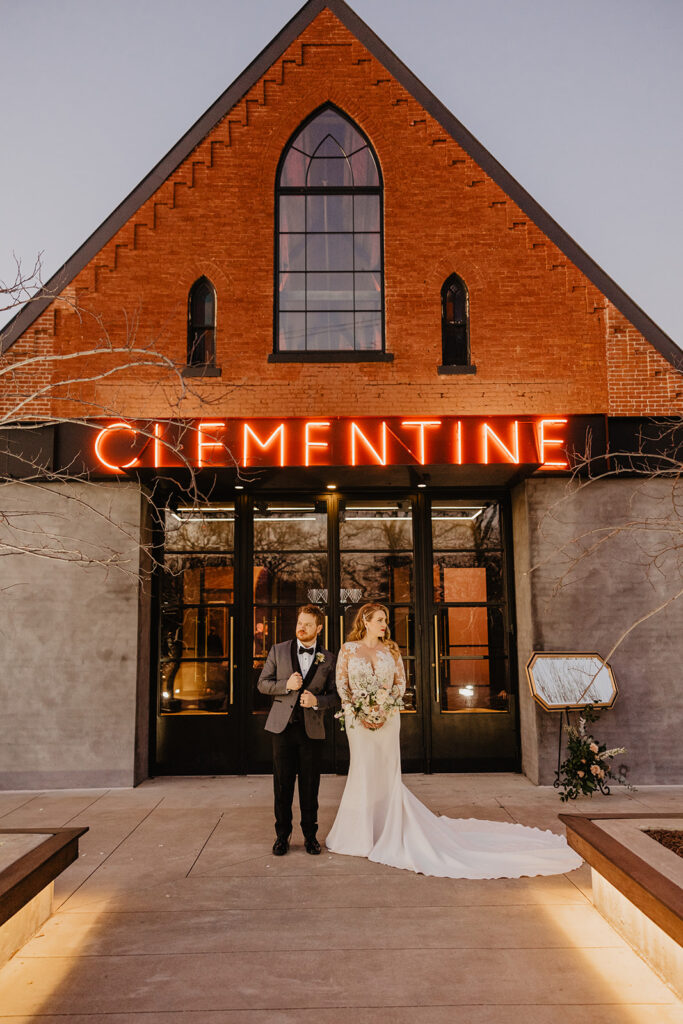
{"x": 299, "y": 675}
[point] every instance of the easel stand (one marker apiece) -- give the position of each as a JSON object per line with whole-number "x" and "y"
{"x": 556, "y": 783}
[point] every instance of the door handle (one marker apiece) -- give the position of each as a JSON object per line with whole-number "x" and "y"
{"x": 437, "y": 669}
{"x": 232, "y": 659}
{"x": 327, "y": 638}
{"x": 341, "y": 629}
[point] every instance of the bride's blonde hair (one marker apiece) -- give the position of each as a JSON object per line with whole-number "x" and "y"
{"x": 359, "y": 627}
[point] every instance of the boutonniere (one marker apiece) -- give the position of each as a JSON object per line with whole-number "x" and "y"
{"x": 319, "y": 658}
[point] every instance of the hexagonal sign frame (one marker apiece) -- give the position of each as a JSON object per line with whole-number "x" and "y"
{"x": 562, "y": 680}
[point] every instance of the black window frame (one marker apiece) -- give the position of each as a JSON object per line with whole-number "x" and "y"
{"x": 448, "y": 365}
{"x": 328, "y": 355}
{"x": 199, "y": 343}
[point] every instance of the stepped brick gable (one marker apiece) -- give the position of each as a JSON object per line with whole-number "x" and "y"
{"x": 544, "y": 338}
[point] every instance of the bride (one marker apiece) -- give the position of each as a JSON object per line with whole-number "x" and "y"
{"x": 380, "y": 818}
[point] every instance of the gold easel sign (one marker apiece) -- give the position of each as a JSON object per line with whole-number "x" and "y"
{"x": 560, "y": 680}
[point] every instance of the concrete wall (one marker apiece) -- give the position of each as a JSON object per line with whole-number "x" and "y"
{"x": 584, "y": 606}
{"x": 74, "y": 679}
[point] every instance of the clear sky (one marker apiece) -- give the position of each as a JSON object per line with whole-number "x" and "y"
{"x": 580, "y": 101}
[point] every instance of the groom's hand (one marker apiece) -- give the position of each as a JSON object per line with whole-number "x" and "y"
{"x": 308, "y": 700}
{"x": 295, "y": 681}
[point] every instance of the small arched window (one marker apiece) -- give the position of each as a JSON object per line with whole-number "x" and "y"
{"x": 201, "y": 324}
{"x": 455, "y": 323}
{"x": 329, "y": 252}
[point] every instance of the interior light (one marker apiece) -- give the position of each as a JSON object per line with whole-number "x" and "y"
{"x": 207, "y": 508}
{"x": 209, "y": 519}
{"x": 466, "y": 691}
{"x": 283, "y": 519}
{"x": 422, "y": 485}
{"x": 239, "y": 487}
{"x": 378, "y": 519}
{"x": 332, "y": 487}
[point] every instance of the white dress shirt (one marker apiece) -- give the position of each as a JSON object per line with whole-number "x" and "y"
{"x": 306, "y": 659}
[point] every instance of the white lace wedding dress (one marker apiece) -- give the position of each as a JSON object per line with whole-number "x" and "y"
{"x": 381, "y": 819}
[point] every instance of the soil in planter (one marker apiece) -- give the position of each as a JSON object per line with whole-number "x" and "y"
{"x": 672, "y": 839}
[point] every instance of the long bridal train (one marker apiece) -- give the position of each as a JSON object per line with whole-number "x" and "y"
{"x": 379, "y": 818}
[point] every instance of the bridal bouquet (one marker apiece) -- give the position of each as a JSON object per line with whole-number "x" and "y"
{"x": 370, "y": 702}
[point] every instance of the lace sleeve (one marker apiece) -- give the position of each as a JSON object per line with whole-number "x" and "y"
{"x": 399, "y": 686}
{"x": 343, "y": 686}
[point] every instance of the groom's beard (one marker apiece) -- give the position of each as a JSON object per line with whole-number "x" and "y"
{"x": 306, "y": 639}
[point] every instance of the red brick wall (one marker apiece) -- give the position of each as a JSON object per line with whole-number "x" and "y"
{"x": 543, "y": 338}
{"x": 26, "y": 372}
{"x": 641, "y": 381}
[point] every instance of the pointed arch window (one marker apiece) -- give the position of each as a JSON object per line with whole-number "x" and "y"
{"x": 455, "y": 323}
{"x": 201, "y": 324}
{"x": 329, "y": 246}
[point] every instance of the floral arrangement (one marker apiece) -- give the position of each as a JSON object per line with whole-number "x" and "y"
{"x": 371, "y": 703}
{"x": 587, "y": 767}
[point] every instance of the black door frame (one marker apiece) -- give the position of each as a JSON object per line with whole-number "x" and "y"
{"x": 422, "y": 601}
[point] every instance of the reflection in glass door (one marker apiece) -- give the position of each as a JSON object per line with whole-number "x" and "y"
{"x": 235, "y": 577}
{"x": 376, "y": 556}
{"x": 196, "y": 725}
{"x": 473, "y": 713}
{"x": 290, "y": 568}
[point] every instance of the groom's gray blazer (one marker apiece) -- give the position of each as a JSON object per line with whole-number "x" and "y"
{"x": 282, "y": 660}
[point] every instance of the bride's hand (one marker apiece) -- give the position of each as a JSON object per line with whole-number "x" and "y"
{"x": 371, "y": 725}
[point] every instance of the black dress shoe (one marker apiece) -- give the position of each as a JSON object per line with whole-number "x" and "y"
{"x": 312, "y": 845}
{"x": 280, "y": 846}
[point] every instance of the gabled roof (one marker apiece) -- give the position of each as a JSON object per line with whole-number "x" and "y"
{"x": 234, "y": 93}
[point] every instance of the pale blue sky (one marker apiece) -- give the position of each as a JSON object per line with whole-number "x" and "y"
{"x": 580, "y": 101}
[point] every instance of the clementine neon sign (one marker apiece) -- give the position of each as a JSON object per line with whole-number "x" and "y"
{"x": 203, "y": 445}
{"x": 249, "y": 432}
{"x": 489, "y": 435}
{"x": 308, "y": 444}
{"x": 358, "y": 437}
{"x": 551, "y": 442}
{"x": 421, "y": 426}
{"x": 337, "y": 441}
{"x": 99, "y": 446}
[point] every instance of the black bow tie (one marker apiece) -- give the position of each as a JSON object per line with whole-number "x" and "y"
{"x": 306, "y": 650}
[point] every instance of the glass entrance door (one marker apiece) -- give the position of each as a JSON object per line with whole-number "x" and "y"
{"x": 197, "y": 720}
{"x": 235, "y": 575}
{"x": 290, "y": 569}
{"x": 473, "y": 714}
{"x": 377, "y": 563}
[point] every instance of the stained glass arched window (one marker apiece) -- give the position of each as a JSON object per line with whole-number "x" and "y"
{"x": 329, "y": 253}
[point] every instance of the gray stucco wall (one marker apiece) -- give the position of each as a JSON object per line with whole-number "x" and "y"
{"x": 584, "y": 606}
{"x": 74, "y": 658}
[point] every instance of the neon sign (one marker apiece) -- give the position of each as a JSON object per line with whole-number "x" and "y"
{"x": 363, "y": 441}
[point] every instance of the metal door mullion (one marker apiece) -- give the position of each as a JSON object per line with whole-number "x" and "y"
{"x": 334, "y": 604}
{"x": 423, "y": 591}
{"x": 244, "y": 620}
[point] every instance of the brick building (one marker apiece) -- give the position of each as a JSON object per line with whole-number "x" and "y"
{"x": 329, "y": 350}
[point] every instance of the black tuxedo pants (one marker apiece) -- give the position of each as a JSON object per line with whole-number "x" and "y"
{"x": 296, "y": 755}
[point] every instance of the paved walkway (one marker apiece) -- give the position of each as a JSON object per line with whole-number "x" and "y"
{"x": 177, "y": 913}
